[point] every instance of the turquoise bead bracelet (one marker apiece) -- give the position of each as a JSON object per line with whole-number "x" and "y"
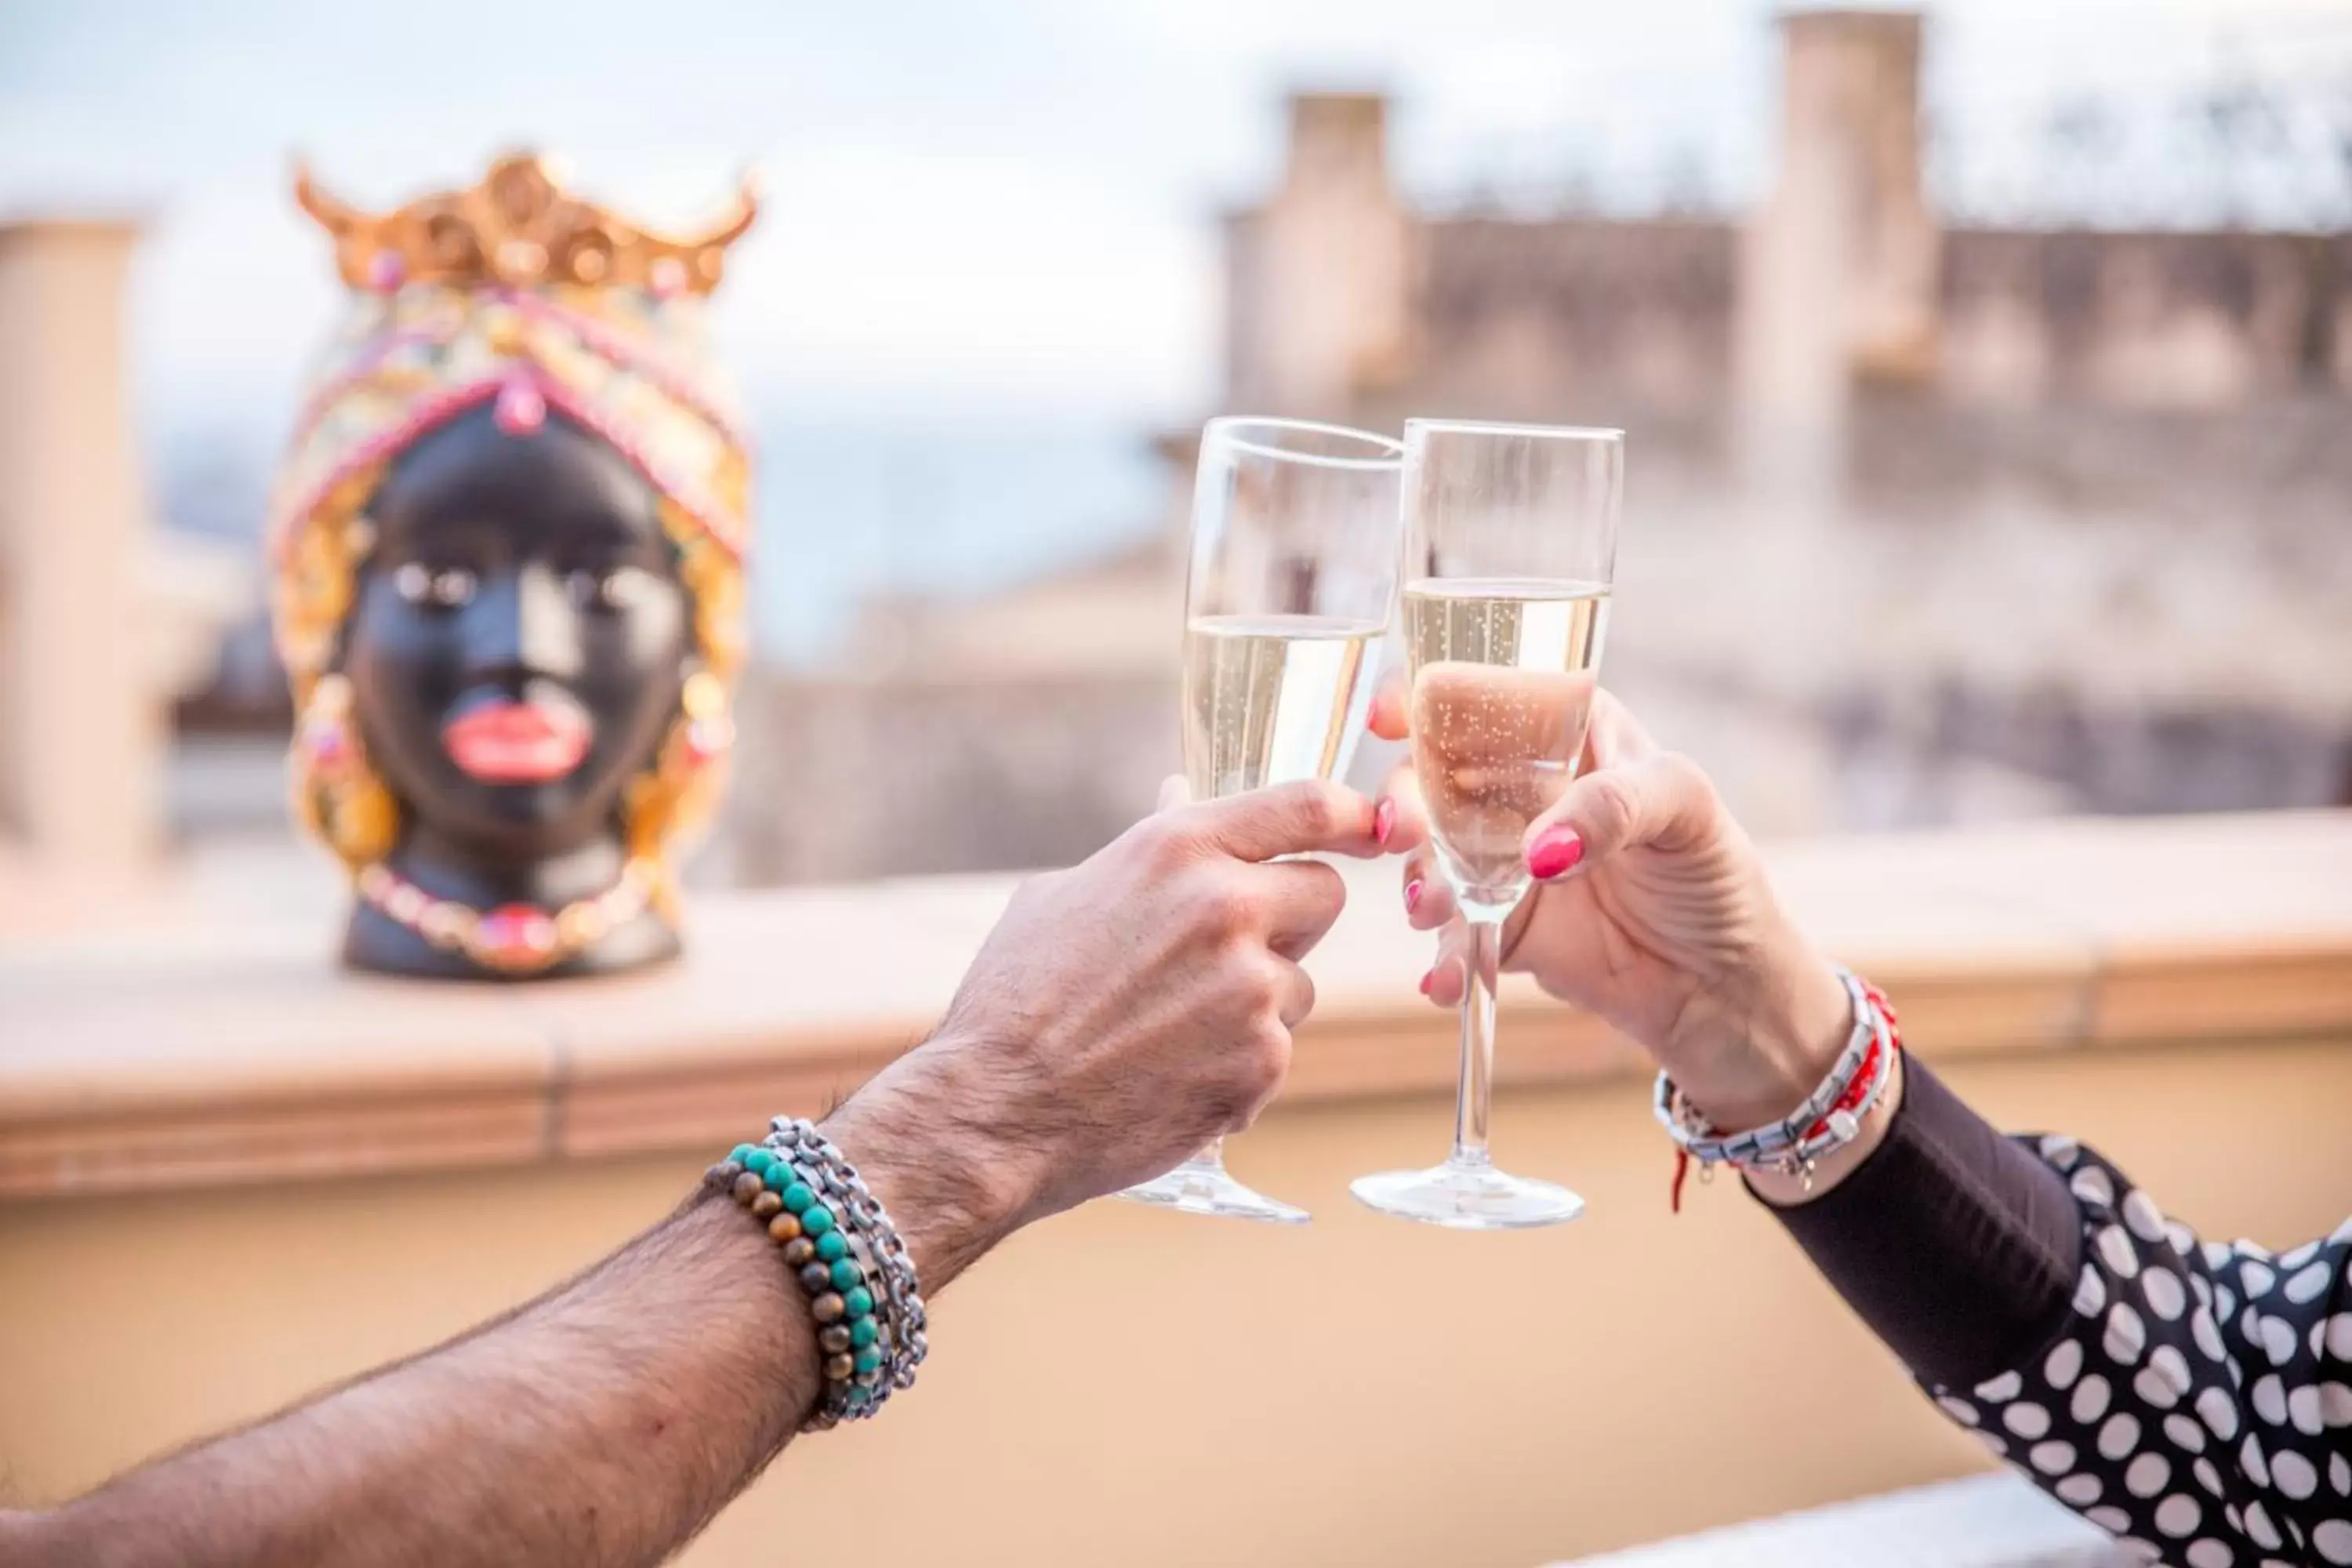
{"x": 817, "y": 1249}
{"x": 845, "y": 1255}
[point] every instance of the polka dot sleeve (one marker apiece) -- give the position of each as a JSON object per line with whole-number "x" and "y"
{"x": 2196, "y": 1398}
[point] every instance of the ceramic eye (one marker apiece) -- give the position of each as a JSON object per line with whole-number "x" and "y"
{"x": 617, "y": 589}
{"x": 418, "y": 583}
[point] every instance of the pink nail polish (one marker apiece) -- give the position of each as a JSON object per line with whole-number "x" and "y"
{"x": 1555, "y": 852}
{"x": 1384, "y": 821}
{"x": 1413, "y": 895}
{"x": 1426, "y": 980}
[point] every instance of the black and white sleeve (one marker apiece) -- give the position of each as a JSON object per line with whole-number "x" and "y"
{"x": 2193, "y": 1398}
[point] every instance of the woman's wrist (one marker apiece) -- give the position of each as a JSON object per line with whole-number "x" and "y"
{"x": 1782, "y": 1190}
{"x": 1748, "y": 1050}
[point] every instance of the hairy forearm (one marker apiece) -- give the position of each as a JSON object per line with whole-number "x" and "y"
{"x": 603, "y": 1424}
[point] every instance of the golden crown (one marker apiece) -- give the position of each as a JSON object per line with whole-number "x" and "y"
{"x": 521, "y": 228}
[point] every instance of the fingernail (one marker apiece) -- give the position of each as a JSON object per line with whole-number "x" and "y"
{"x": 1384, "y": 821}
{"x": 1427, "y": 980}
{"x": 1555, "y": 852}
{"x": 1412, "y": 900}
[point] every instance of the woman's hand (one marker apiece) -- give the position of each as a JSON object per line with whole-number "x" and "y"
{"x": 1650, "y": 909}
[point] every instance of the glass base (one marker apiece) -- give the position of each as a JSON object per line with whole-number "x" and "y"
{"x": 1463, "y": 1197}
{"x": 1202, "y": 1187}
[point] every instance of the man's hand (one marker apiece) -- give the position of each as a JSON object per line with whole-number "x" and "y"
{"x": 1123, "y": 1013}
{"x": 1650, "y": 908}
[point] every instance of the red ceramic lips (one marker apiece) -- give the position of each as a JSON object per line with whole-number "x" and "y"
{"x": 506, "y": 741}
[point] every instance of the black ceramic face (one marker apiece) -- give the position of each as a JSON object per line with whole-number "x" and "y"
{"x": 521, "y": 635}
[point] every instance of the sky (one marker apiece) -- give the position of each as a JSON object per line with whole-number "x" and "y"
{"x": 1004, "y": 209}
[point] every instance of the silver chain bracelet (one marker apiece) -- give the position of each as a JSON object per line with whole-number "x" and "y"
{"x": 881, "y": 1250}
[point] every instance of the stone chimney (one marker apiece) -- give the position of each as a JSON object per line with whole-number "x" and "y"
{"x": 1338, "y": 140}
{"x": 1319, "y": 277}
{"x": 1839, "y": 268}
{"x": 82, "y": 722}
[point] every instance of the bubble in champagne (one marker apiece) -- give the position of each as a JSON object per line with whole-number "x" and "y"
{"x": 1503, "y": 676}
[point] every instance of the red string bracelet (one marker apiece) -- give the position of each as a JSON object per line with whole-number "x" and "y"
{"x": 1879, "y": 1060}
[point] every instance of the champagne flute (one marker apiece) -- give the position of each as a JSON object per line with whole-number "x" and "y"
{"x": 1510, "y": 542}
{"x": 1293, "y": 576}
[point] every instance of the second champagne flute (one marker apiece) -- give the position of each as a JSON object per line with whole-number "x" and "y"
{"x": 1510, "y": 541}
{"x": 1293, "y": 575}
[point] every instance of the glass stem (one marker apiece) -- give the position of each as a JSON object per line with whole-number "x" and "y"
{"x": 1211, "y": 1156}
{"x": 1474, "y": 1100}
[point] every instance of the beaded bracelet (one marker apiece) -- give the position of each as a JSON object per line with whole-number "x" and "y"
{"x": 847, "y": 1257}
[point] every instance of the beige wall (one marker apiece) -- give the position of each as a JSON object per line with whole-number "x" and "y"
{"x": 1128, "y": 1387}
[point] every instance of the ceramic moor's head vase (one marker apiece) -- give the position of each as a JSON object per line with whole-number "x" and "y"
{"x": 507, "y": 550}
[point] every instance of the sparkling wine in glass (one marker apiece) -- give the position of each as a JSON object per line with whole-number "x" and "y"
{"x": 1273, "y": 697}
{"x": 1292, "y": 580}
{"x": 1511, "y": 543}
